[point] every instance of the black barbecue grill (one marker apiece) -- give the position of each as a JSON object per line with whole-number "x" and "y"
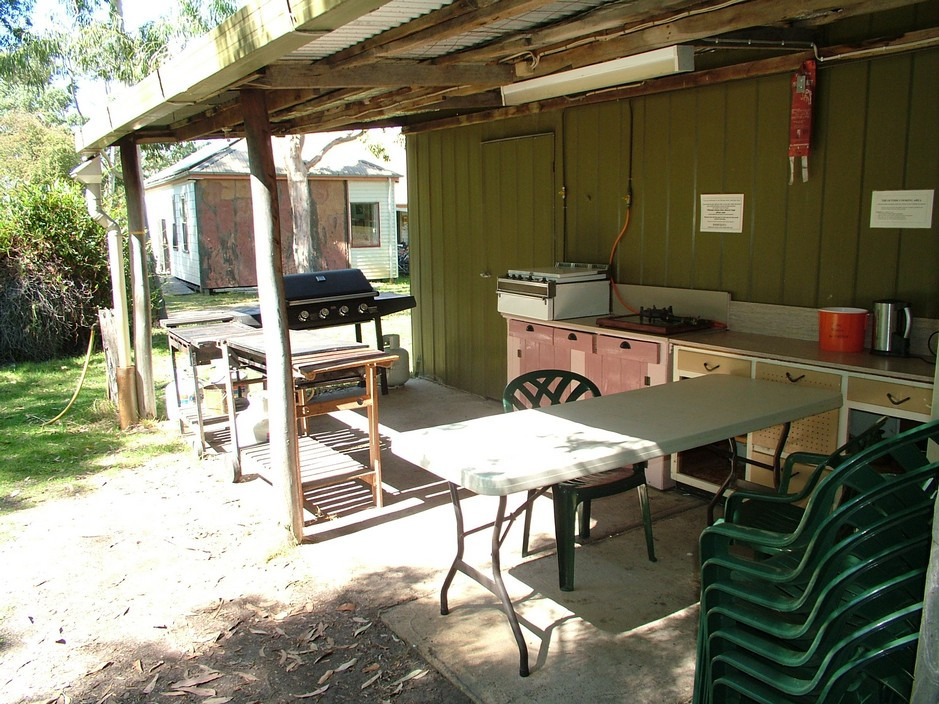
{"x": 322, "y": 299}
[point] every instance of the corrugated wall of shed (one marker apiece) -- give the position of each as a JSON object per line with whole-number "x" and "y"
{"x": 808, "y": 244}
{"x": 377, "y": 262}
{"x": 479, "y": 205}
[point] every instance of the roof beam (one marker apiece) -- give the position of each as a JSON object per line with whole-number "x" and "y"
{"x": 692, "y": 25}
{"x": 385, "y": 74}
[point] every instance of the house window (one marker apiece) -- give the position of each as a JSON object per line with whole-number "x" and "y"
{"x": 175, "y": 238}
{"x": 364, "y": 218}
{"x": 184, "y": 225}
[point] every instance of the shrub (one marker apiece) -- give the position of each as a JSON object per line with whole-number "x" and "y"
{"x": 53, "y": 272}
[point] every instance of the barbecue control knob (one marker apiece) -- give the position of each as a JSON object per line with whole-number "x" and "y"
{"x": 304, "y": 316}
{"x": 324, "y": 313}
{"x": 363, "y": 307}
{"x": 343, "y": 310}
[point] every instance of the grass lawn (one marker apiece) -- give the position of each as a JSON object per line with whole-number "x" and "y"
{"x": 40, "y": 460}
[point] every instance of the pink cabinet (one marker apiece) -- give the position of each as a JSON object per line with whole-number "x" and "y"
{"x": 622, "y": 364}
{"x": 530, "y": 347}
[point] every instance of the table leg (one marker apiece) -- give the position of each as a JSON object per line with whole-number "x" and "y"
{"x": 777, "y": 459}
{"x": 495, "y": 584}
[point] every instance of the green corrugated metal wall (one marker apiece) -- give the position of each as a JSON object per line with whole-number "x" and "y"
{"x": 807, "y": 244}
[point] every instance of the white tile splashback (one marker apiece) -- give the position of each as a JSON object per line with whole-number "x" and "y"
{"x": 802, "y": 324}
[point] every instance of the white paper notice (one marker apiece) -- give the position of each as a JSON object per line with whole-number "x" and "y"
{"x": 722, "y": 212}
{"x": 893, "y": 209}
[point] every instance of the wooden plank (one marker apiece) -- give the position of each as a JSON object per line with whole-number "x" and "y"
{"x": 412, "y": 73}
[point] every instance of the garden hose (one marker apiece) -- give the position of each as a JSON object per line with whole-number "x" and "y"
{"x": 81, "y": 380}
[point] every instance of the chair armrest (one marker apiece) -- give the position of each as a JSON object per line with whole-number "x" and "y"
{"x": 735, "y": 500}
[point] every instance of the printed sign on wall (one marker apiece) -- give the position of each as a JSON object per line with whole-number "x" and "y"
{"x": 910, "y": 209}
{"x": 722, "y": 212}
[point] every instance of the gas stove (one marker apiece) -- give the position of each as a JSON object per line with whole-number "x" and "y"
{"x": 655, "y": 321}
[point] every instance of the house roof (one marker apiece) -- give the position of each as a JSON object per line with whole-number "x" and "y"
{"x": 326, "y": 65}
{"x": 351, "y": 160}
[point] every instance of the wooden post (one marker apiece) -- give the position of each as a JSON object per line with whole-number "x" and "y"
{"x": 126, "y": 376}
{"x": 137, "y": 226}
{"x": 270, "y": 272}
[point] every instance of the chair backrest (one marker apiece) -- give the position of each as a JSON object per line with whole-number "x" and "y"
{"x": 546, "y": 387}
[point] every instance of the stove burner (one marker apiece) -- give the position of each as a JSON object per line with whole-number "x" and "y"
{"x": 666, "y": 317}
{"x": 658, "y": 321}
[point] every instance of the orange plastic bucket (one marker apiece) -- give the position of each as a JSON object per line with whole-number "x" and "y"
{"x": 841, "y": 329}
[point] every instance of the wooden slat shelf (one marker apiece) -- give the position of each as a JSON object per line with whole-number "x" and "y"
{"x": 319, "y": 465}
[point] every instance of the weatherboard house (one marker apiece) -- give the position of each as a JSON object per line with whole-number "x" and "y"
{"x": 200, "y": 218}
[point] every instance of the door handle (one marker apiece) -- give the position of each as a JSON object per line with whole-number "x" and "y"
{"x": 624, "y": 345}
{"x": 571, "y": 336}
{"x": 711, "y": 367}
{"x": 795, "y": 379}
{"x": 529, "y": 328}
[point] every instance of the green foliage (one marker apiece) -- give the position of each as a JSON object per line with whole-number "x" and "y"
{"x": 31, "y": 152}
{"x": 53, "y": 272}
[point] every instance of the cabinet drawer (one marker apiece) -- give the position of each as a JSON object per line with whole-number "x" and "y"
{"x": 707, "y": 363}
{"x": 892, "y": 396}
{"x": 573, "y": 340}
{"x": 531, "y": 331}
{"x": 627, "y": 348}
{"x": 798, "y": 376}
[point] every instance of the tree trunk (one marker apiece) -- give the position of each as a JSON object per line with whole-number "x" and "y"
{"x": 306, "y": 255}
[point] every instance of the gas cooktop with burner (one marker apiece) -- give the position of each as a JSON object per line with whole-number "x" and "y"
{"x": 656, "y": 321}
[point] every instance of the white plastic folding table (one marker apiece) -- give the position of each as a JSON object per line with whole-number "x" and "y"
{"x": 532, "y": 449}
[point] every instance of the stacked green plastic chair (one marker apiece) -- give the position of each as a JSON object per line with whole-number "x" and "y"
{"x": 827, "y": 606}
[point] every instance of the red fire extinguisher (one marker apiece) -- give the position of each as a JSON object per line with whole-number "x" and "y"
{"x": 802, "y": 87}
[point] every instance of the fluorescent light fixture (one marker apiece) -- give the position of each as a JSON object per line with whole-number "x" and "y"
{"x": 629, "y": 69}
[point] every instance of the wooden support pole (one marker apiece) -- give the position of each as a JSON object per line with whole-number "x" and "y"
{"x": 127, "y": 409}
{"x": 136, "y": 224}
{"x": 270, "y": 272}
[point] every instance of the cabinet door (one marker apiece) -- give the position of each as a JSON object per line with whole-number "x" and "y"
{"x": 621, "y": 364}
{"x": 533, "y": 346}
{"x": 818, "y": 433}
{"x": 573, "y": 350}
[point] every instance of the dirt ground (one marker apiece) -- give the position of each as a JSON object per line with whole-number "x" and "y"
{"x": 168, "y": 583}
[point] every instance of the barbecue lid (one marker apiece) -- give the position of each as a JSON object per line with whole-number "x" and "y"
{"x": 327, "y": 284}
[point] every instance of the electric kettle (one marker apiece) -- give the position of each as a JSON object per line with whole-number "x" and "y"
{"x": 890, "y": 333}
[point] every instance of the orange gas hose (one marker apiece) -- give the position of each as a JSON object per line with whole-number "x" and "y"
{"x": 616, "y": 242}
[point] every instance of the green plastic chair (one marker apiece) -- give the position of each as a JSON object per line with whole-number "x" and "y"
{"x": 794, "y": 683}
{"x": 746, "y": 506}
{"x": 547, "y": 387}
{"x": 880, "y": 513}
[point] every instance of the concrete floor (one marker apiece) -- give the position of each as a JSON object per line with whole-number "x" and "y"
{"x": 625, "y": 634}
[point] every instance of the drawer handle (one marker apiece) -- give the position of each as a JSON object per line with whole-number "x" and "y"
{"x": 529, "y": 328}
{"x": 711, "y": 367}
{"x": 571, "y": 336}
{"x": 895, "y": 401}
{"x": 624, "y": 345}
{"x": 795, "y": 379}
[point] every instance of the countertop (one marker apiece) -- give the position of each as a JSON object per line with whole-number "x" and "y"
{"x": 783, "y": 349}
